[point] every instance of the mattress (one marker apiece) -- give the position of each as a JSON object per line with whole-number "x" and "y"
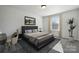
{"x": 38, "y": 37}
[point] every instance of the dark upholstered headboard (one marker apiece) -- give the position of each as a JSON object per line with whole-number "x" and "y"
{"x": 28, "y": 28}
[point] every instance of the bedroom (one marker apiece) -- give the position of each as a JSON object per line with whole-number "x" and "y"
{"x": 12, "y": 19}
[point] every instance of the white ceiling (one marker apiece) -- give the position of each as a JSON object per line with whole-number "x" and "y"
{"x": 49, "y": 10}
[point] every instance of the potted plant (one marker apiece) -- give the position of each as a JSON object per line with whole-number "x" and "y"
{"x": 72, "y": 27}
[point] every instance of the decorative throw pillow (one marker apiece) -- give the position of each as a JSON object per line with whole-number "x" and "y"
{"x": 28, "y": 31}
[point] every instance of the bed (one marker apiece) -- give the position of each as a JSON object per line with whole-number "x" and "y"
{"x": 35, "y": 38}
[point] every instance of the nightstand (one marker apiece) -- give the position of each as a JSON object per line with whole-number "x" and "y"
{"x": 40, "y": 31}
{"x": 20, "y": 36}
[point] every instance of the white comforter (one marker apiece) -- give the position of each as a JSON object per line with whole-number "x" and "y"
{"x": 38, "y": 37}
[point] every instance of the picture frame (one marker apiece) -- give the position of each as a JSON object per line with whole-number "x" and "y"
{"x": 29, "y": 20}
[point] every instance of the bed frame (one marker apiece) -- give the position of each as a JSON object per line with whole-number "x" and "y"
{"x": 39, "y": 46}
{"x": 28, "y": 28}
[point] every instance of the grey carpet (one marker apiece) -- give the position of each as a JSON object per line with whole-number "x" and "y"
{"x": 29, "y": 49}
{"x": 24, "y": 47}
{"x": 70, "y": 46}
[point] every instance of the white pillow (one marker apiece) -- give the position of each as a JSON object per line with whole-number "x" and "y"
{"x": 28, "y": 31}
{"x": 35, "y": 30}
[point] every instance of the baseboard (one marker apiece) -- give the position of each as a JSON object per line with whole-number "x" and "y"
{"x": 68, "y": 38}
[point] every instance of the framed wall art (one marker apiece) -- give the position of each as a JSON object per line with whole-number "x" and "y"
{"x": 29, "y": 20}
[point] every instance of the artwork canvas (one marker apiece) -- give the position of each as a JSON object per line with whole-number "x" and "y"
{"x": 30, "y": 20}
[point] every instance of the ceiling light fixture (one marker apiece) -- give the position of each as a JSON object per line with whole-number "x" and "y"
{"x": 43, "y": 6}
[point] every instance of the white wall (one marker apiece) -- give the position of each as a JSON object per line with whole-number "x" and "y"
{"x": 13, "y": 18}
{"x": 65, "y": 26}
{"x": 65, "y": 16}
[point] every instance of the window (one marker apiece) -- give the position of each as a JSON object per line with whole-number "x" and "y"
{"x": 55, "y": 23}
